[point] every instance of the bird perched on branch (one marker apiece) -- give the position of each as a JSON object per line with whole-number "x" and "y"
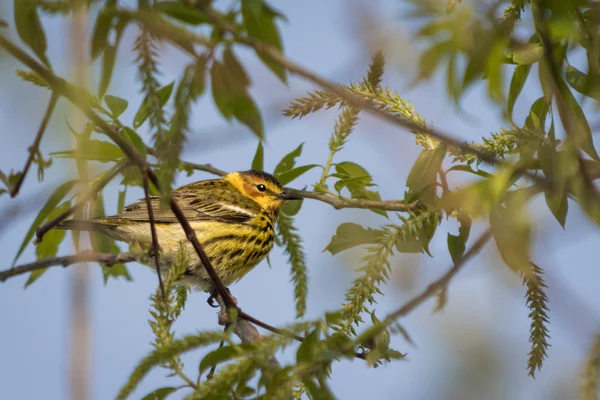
{"x": 233, "y": 218}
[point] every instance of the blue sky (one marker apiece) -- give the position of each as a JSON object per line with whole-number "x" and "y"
{"x": 476, "y": 348}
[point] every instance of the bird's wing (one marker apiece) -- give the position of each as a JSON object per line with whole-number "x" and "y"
{"x": 200, "y": 201}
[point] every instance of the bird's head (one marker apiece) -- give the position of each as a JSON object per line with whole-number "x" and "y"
{"x": 261, "y": 187}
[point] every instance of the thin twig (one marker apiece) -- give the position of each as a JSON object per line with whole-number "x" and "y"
{"x": 107, "y": 259}
{"x": 35, "y": 147}
{"x": 89, "y": 196}
{"x": 155, "y": 245}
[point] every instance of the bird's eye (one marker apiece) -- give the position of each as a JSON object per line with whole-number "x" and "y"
{"x": 261, "y": 187}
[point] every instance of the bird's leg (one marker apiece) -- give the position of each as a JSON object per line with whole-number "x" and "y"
{"x": 213, "y": 295}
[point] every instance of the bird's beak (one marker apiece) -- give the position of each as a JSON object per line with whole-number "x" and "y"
{"x": 288, "y": 196}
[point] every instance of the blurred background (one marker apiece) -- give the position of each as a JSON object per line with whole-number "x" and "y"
{"x": 476, "y": 348}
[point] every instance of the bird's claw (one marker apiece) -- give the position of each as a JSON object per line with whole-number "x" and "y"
{"x": 213, "y": 295}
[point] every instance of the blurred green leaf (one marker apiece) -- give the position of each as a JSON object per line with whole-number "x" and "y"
{"x": 181, "y": 11}
{"x": 292, "y": 208}
{"x": 469, "y": 169}
{"x": 160, "y": 394}
{"x": 48, "y": 247}
{"x": 259, "y": 19}
{"x": 288, "y": 161}
{"x": 580, "y": 129}
{"x": 121, "y": 200}
{"x": 582, "y": 83}
{"x": 116, "y": 105}
{"x": 108, "y": 64}
{"x": 229, "y": 89}
{"x": 350, "y": 235}
{"x": 516, "y": 85}
{"x": 103, "y": 244}
{"x": 29, "y": 27}
{"x": 288, "y": 176}
{"x": 258, "y": 161}
{"x": 556, "y": 198}
{"x": 457, "y": 243}
{"x": 144, "y": 111}
{"x": 308, "y": 348}
{"x": 135, "y": 140}
{"x": 59, "y": 193}
{"x": 423, "y": 174}
{"x": 198, "y": 85}
{"x": 100, "y": 33}
{"x": 218, "y": 356}
{"x": 511, "y": 229}
{"x": 536, "y": 120}
{"x": 93, "y": 150}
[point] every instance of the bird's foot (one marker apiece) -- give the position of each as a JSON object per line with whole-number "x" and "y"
{"x": 213, "y": 295}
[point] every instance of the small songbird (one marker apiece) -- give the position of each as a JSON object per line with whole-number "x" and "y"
{"x": 233, "y": 218}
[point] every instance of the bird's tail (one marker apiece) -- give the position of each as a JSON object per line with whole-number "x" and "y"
{"x": 80, "y": 225}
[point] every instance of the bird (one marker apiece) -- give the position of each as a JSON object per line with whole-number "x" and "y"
{"x": 233, "y": 218}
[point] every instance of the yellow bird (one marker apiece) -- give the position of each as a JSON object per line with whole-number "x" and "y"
{"x": 233, "y": 218}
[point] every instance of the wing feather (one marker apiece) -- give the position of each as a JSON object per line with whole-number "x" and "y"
{"x": 211, "y": 200}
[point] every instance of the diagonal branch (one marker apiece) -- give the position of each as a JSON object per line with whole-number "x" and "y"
{"x": 35, "y": 147}
{"x": 107, "y": 259}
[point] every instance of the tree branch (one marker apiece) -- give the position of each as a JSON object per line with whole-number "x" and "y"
{"x": 35, "y": 147}
{"x": 107, "y": 259}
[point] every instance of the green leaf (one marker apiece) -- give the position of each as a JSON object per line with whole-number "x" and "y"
{"x": 308, "y": 349}
{"x": 556, "y": 199}
{"x": 516, "y": 86}
{"x": 135, "y": 140}
{"x": 536, "y": 120}
{"x": 144, "y": 111}
{"x": 198, "y": 85}
{"x": 288, "y": 161}
{"x": 108, "y": 64}
{"x": 29, "y": 27}
{"x": 258, "y": 161}
{"x": 100, "y": 33}
{"x": 93, "y": 150}
{"x": 582, "y": 83}
{"x": 422, "y": 176}
{"x": 182, "y": 12}
{"x": 288, "y": 176}
{"x": 229, "y": 90}
{"x": 218, "y": 356}
{"x": 580, "y": 130}
{"x": 49, "y": 245}
{"x": 116, "y": 105}
{"x": 352, "y": 169}
{"x": 292, "y": 208}
{"x": 512, "y": 233}
{"x": 121, "y": 200}
{"x": 109, "y": 57}
{"x": 235, "y": 70}
{"x": 259, "y": 20}
{"x": 457, "y": 243}
{"x": 468, "y": 168}
{"x": 103, "y": 244}
{"x": 350, "y": 235}
{"x": 59, "y": 193}
{"x": 160, "y": 394}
